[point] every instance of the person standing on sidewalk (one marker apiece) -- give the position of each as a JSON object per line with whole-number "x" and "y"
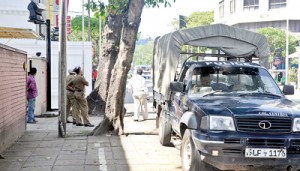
{"x": 32, "y": 93}
{"x": 70, "y": 95}
{"x": 80, "y": 103}
{"x": 94, "y": 76}
{"x": 137, "y": 86}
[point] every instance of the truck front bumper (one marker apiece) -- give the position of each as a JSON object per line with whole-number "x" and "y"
{"x": 226, "y": 151}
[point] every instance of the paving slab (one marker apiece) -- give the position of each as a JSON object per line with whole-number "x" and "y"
{"x": 40, "y": 148}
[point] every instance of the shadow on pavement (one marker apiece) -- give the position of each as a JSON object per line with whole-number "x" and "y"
{"x": 41, "y": 149}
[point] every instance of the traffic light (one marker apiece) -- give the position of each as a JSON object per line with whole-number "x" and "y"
{"x": 35, "y": 12}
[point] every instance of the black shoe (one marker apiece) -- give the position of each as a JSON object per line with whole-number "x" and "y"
{"x": 88, "y": 125}
{"x": 79, "y": 124}
{"x": 69, "y": 121}
{"x": 74, "y": 123}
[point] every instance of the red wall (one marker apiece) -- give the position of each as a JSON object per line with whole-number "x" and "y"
{"x": 12, "y": 95}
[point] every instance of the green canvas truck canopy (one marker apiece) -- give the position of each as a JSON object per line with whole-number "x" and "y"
{"x": 231, "y": 41}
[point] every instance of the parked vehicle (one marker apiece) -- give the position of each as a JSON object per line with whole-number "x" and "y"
{"x": 228, "y": 112}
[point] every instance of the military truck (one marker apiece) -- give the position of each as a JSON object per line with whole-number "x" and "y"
{"x": 224, "y": 106}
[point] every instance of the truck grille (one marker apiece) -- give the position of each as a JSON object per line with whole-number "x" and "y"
{"x": 252, "y": 124}
{"x": 295, "y": 142}
{"x": 266, "y": 142}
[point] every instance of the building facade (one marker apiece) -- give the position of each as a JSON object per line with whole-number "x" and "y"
{"x": 255, "y": 14}
{"x": 14, "y": 16}
{"x": 12, "y": 95}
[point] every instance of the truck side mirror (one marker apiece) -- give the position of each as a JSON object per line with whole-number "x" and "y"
{"x": 288, "y": 89}
{"x": 176, "y": 86}
{"x": 176, "y": 76}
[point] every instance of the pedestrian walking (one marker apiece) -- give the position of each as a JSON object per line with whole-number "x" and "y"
{"x": 70, "y": 95}
{"x": 32, "y": 93}
{"x": 80, "y": 102}
{"x": 137, "y": 86}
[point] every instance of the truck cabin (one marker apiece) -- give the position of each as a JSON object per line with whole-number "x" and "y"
{"x": 202, "y": 78}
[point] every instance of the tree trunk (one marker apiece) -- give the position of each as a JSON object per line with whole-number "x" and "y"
{"x": 115, "y": 100}
{"x": 112, "y": 33}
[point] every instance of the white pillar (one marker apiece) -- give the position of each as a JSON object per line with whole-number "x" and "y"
{"x": 83, "y": 36}
{"x": 100, "y": 34}
{"x": 287, "y": 52}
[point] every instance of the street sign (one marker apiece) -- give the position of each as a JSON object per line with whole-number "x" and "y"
{"x": 68, "y": 24}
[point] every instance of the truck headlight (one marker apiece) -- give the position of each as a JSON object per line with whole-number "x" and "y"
{"x": 296, "y": 125}
{"x": 221, "y": 123}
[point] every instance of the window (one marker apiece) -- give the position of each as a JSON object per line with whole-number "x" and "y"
{"x": 221, "y": 9}
{"x": 230, "y": 80}
{"x": 273, "y": 4}
{"x": 251, "y": 5}
{"x": 232, "y": 6}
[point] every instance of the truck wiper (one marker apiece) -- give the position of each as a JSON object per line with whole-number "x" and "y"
{"x": 260, "y": 93}
{"x": 212, "y": 93}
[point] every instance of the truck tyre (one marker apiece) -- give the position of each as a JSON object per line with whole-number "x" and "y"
{"x": 165, "y": 130}
{"x": 190, "y": 156}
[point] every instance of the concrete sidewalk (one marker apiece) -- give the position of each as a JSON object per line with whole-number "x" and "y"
{"x": 40, "y": 149}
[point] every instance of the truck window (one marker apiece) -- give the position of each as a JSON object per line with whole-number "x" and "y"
{"x": 231, "y": 80}
{"x": 268, "y": 83}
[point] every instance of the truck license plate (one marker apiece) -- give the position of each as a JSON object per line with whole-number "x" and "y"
{"x": 265, "y": 153}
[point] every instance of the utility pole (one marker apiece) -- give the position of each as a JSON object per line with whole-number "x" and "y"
{"x": 100, "y": 33}
{"x": 287, "y": 47}
{"x": 62, "y": 129}
{"x": 83, "y": 35}
{"x": 48, "y": 56}
{"x": 287, "y": 52}
{"x": 89, "y": 22}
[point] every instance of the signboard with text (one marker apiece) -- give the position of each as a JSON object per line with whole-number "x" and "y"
{"x": 68, "y": 23}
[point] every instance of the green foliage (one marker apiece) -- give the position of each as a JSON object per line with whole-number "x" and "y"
{"x": 114, "y": 7}
{"x": 155, "y": 3}
{"x": 200, "y": 19}
{"x": 143, "y": 54}
{"x": 196, "y": 19}
{"x": 77, "y": 24}
{"x": 277, "y": 38}
{"x": 77, "y": 32}
{"x": 292, "y": 75}
{"x": 97, "y": 7}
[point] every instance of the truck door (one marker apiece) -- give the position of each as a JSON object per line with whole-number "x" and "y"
{"x": 178, "y": 100}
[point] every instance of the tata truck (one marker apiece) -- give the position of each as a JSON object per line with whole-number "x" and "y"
{"x": 223, "y": 105}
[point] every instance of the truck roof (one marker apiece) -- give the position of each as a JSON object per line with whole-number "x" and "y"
{"x": 222, "y": 63}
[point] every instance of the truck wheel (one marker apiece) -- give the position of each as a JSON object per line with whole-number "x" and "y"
{"x": 165, "y": 130}
{"x": 190, "y": 156}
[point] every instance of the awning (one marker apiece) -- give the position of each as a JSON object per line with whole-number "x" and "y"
{"x": 18, "y": 33}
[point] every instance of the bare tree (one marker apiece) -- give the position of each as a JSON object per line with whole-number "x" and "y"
{"x": 111, "y": 46}
{"x": 115, "y": 100}
{"x": 108, "y": 95}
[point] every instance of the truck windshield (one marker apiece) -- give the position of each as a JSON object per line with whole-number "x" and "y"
{"x": 237, "y": 80}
